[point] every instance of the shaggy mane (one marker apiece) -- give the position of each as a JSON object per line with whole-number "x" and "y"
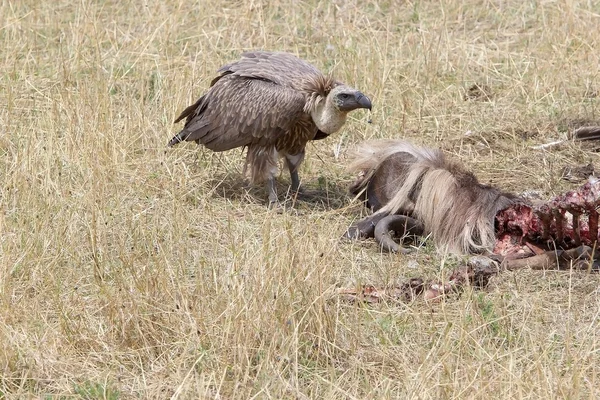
{"x": 454, "y": 207}
{"x": 317, "y": 90}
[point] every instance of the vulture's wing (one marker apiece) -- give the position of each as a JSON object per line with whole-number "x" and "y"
{"x": 282, "y": 68}
{"x": 239, "y": 111}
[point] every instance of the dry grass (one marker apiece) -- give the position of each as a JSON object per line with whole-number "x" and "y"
{"x": 128, "y": 270}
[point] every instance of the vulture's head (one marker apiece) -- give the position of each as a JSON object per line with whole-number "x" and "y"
{"x": 330, "y": 115}
{"x": 346, "y": 99}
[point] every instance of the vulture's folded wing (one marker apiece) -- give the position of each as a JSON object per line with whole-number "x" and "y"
{"x": 282, "y": 68}
{"x": 239, "y": 111}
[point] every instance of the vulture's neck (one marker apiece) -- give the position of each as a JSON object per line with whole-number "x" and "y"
{"x": 328, "y": 118}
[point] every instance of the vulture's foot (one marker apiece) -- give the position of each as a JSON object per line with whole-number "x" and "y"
{"x": 292, "y": 195}
{"x": 272, "y": 193}
{"x": 295, "y": 186}
{"x": 275, "y": 205}
{"x": 296, "y": 193}
{"x": 306, "y": 195}
{"x": 281, "y": 207}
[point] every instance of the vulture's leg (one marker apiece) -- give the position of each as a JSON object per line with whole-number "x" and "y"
{"x": 272, "y": 192}
{"x": 261, "y": 166}
{"x": 293, "y": 161}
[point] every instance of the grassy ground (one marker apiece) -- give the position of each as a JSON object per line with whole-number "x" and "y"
{"x": 129, "y": 270}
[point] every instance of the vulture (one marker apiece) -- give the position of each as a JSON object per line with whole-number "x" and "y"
{"x": 273, "y": 104}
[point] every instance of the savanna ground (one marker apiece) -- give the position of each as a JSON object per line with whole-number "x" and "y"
{"x": 129, "y": 270}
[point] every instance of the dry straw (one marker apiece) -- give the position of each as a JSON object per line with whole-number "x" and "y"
{"x": 128, "y": 270}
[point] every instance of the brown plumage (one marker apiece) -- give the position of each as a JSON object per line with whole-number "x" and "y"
{"x": 273, "y": 104}
{"x": 396, "y": 177}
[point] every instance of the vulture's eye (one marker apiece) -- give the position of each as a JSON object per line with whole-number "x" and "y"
{"x": 344, "y": 96}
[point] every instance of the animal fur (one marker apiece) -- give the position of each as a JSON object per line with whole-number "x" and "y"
{"x": 273, "y": 104}
{"x": 396, "y": 177}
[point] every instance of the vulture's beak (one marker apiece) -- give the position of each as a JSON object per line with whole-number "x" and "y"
{"x": 363, "y": 101}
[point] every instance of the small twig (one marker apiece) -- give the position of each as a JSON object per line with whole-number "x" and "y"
{"x": 547, "y": 145}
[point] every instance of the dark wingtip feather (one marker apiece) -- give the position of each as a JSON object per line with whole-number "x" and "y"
{"x": 189, "y": 110}
{"x": 185, "y": 113}
{"x": 176, "y": 139}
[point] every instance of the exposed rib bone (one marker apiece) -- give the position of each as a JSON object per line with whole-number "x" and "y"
{"x": 593, "y": 223}
{"x": 576, "y": 229}
{"x": 548, "y": 221}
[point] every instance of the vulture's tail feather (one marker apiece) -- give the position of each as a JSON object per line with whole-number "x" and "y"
{"x": 189, "y": 113}
{"x": 189, "y": 110}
